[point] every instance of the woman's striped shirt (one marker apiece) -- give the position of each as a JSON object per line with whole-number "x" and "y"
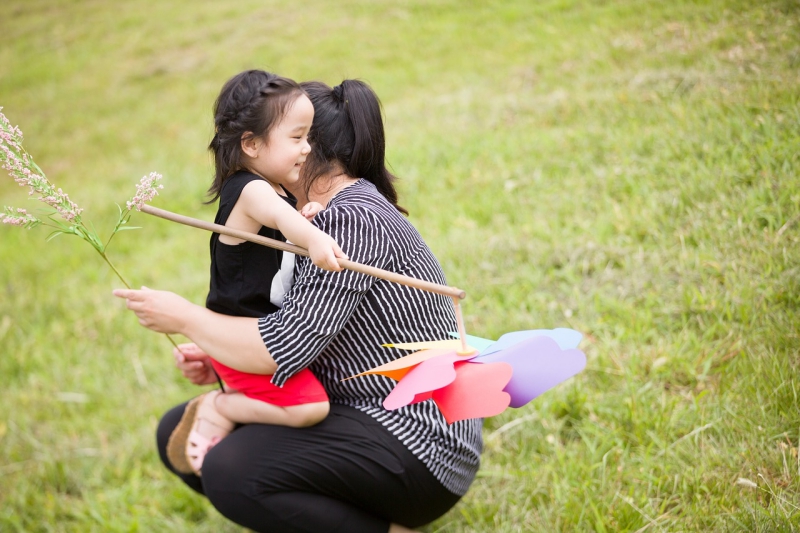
{"x": 335, "y": 323}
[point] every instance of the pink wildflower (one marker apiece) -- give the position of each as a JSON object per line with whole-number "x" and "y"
{"x": 146, "y": 190}
{"x": 19, "y": 217}
{"x": 26, "y": 173}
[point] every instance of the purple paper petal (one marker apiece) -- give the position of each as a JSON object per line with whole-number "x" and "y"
{"x": 539, "y": 365}
{"x": 565, "y": 337}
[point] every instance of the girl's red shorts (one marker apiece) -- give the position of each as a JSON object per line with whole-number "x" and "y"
{"x": 301, "y": 388}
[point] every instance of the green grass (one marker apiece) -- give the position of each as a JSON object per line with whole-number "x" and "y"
{"x": 629, "y": 169}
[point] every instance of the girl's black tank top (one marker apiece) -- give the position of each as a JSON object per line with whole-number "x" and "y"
{"x": 241, "y": 274}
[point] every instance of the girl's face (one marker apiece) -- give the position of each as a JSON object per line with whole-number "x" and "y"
{"x": 280, "y": 156}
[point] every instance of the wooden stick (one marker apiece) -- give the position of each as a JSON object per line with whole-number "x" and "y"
{"x": 445, "y": 290}
{"x": 462, "y": 332}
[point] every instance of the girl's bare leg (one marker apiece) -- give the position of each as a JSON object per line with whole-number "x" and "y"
{"x": 243, "y": 410}
{"x": 210, "y": 422}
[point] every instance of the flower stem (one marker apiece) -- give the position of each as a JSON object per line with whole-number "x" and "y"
{"x": 172, "y": 341}
{"x": 107, "y": 260}
{"x": 119, "y": 223}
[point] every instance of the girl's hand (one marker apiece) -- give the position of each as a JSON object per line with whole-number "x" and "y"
{"x": 194, "y": 364}
{"x": 161, "y": 311}
{"x": 311, "y": 209}
{"x": 323, "y": 251}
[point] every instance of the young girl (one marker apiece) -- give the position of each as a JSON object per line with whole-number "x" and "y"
{"x": 262, "y": 123}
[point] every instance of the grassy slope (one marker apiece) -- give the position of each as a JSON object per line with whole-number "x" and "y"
{"x": 627, "y": 168}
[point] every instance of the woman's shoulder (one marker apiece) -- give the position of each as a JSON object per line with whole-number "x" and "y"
{"x": 362, "y": 199}
{"x": 349, "y": 217}
{"x": 364, "y": 219}
{"x": 360, "y": 204}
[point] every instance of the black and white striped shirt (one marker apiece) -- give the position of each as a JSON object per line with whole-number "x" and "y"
{"x": 335, "y": 324}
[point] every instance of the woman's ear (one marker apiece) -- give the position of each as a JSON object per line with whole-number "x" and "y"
{"x": 250, "y": 144}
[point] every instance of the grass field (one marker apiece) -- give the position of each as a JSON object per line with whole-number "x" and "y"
{"x": 628, "y": 169}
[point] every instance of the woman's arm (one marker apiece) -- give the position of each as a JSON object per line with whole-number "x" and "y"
{"x": 233, "y": 341}
{"x": 260, "y": 202}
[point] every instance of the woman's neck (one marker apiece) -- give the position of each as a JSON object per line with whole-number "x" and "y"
{"x": 327, "y": 187}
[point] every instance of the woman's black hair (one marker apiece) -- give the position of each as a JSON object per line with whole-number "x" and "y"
{"x": 249, "y": 103}
{"x": 348, "y": 131}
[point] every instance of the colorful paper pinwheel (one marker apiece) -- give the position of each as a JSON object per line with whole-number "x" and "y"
{"x": 486, "y": 378}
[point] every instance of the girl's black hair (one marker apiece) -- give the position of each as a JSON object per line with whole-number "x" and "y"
{"x": 348, "y": 130}
{"x": 249, "y": 103}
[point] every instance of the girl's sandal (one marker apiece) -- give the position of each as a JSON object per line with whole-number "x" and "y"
{"x": 197, "y": 446}
{"x": 187, "y": 447}
{"x": 176, "y": 445}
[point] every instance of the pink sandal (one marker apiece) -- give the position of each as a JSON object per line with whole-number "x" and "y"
{"x": 197, "y": 446}
{"x": 187, "y": 447}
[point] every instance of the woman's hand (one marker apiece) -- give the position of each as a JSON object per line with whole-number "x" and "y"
{"x": 161, "y": 311}
{"x": 194, "y": 364}
{"x": 232, "y": 340}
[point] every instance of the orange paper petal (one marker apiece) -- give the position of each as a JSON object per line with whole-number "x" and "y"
{"x": 400, "y": 367}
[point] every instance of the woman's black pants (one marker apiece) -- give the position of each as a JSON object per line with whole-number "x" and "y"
{"x": 346, "y": 474}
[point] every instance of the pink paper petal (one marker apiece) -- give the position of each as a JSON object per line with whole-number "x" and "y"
{"x": 421, "y": 397}
{"x": 428, "y": 376}
{"x": 477, "y": 391}
{"x": 539, "y": 365}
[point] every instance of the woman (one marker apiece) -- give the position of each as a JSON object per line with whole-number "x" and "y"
{"x": 363, "y": 468}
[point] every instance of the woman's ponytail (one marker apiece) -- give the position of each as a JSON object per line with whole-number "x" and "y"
{"x": 348, "y": 129}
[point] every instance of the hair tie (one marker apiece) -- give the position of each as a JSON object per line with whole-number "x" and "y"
{"x": 338, "y": 92}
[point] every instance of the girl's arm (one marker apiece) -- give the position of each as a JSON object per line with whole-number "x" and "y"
{"x": 260, "y": 202}
{"x": 310, "y": 210}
